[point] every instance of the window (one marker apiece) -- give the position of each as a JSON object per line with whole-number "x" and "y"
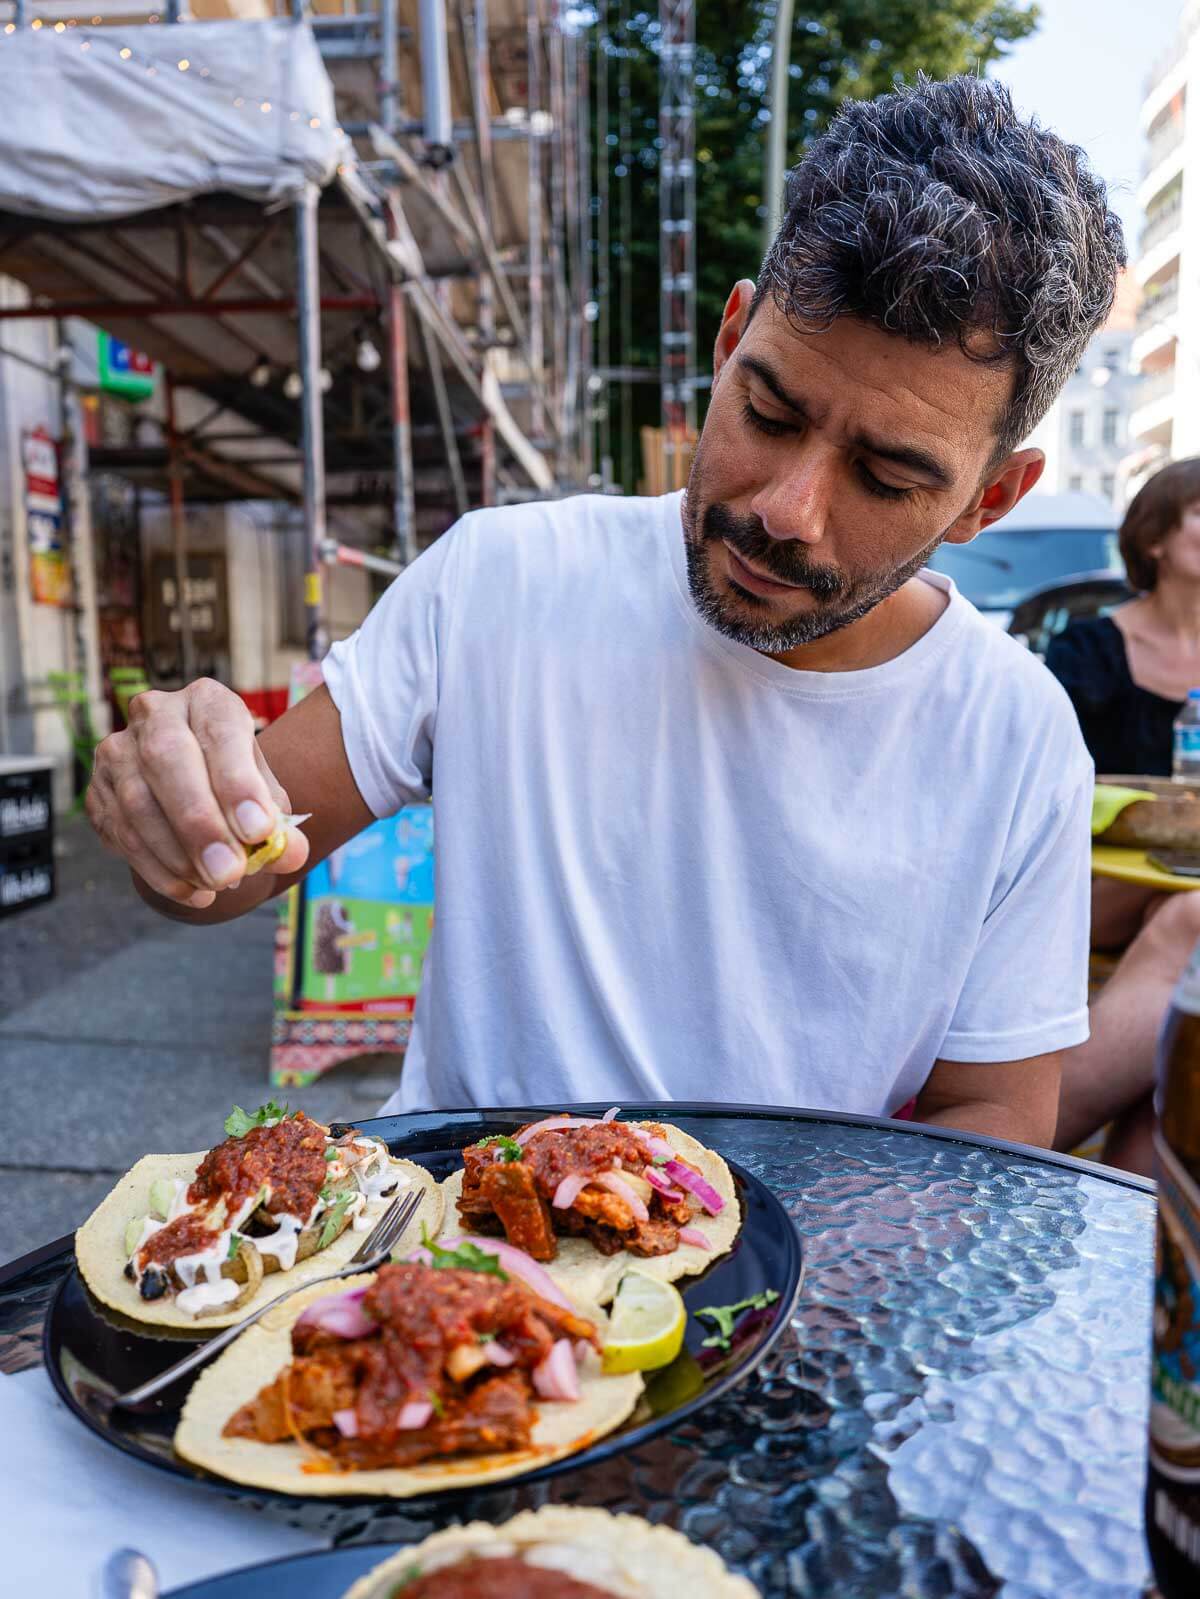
{"x": 1107, "y": 484}
{"x": 1076, "y": 427}
{"x": 1075, "y": 484}
{"x": 1112, "y": 424}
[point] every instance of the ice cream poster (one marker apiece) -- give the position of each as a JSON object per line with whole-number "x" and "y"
{"x": 367, "y": 917}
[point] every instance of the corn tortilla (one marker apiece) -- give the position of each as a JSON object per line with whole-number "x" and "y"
{"x": 100, "y": 1244}
{"x": 583, "y": 1272}
{"x": 262, "y": 1352}
{"x": 622, "y": 1555}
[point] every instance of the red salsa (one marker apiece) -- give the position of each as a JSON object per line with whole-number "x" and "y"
{"x": 289, "y": 1158}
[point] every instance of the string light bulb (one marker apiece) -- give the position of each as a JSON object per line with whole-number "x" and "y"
{"x": 260, "y": 373}
{"x": 293, "y": 386}
{"x": 183, "y": 65}
{"x": 325, "y": 380}
{"x": 60, "y": 27}
{"x": 367, "y": 356}
{"x": 10, "y": 27}
{"x": 265, "y": 106}
{"x": 126, "y": 53}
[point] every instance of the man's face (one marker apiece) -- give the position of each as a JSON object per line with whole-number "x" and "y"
{"x": 830, "y": 467}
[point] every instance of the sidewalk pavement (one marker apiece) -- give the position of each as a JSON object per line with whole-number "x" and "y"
{"x": 123, "y": 1034}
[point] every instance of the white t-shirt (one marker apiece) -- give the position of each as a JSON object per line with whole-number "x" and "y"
{"x": 669, "y": 867}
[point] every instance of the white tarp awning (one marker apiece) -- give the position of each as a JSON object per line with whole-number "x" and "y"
{"x": 108, "y": 121}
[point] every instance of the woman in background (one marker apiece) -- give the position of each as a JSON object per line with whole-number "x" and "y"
{"x": 1128, "y": 674}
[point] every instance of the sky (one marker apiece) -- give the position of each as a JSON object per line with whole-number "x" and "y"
{"x": 1082, "y": 73}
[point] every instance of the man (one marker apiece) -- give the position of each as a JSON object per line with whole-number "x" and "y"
{"x": 733, "y": 800}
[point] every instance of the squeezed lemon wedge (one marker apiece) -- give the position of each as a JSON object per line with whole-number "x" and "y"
{"x": 260, "y": 855}
{"x": 646, "y": 1325}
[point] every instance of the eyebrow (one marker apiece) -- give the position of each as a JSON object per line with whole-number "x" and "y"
{"x": 902, "y": 454}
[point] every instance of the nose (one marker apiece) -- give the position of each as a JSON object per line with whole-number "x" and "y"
{"x": 794, "y": 504}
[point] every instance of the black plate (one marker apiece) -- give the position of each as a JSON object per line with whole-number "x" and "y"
{"x": 93, "y": 1353}
{"x": 328, "y": 1574}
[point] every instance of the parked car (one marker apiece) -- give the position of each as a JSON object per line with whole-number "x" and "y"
{"x": 1040, "y": 616}
{"x": 1044, "y": 541}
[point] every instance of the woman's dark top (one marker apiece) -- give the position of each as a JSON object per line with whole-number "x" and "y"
{"x": 1126, "y": 728}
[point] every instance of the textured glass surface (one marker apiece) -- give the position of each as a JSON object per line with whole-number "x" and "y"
{"x": 959, "y": 1409}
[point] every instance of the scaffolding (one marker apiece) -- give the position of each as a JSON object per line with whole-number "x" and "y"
{"x": 677, "y": 233}
{"x": 470, "y": 182}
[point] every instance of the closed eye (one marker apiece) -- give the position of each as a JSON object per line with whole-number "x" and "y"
{"x": 874, "y": 485}
{"x": 765, "y": 424}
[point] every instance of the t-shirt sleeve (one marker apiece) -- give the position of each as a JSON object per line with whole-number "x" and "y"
{"x": 385, "y": 680}
{"x": 1027, "y": 987}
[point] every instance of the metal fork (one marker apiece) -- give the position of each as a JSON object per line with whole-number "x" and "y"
{"x": 374, "y": 1251}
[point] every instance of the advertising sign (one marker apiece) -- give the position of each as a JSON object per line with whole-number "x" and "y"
{"x": 49, "y": 571}
{"x": 123, "y": 371}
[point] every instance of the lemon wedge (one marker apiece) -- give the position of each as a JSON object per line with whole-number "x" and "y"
{"x": 269, "y": 851}
{"x": 646, "y": 1326}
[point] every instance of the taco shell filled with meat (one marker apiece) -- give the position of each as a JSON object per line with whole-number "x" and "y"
{"x": 200, "y": 1241}
{"x": 557, "y": 1552}
{"x": 403, "y": 1382}
{"x": 588, "y": 1199}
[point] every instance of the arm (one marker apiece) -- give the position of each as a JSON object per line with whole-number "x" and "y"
{"x": 183, "y": 790}
{"x": 1015, "y": 1100}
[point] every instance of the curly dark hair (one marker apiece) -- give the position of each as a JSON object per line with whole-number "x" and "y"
{"x": 1155, "y": 511}
{"x": 937, "y": 213}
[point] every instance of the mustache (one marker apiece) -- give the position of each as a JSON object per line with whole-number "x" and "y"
{"x": 787, "y": 560}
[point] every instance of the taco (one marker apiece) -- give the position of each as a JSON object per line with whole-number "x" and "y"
{"x": 199, "y": 1241}
{"x": 410, "y": 1380}
{"x": 557, "y": 1552}
{"x": 586, "y": 1196}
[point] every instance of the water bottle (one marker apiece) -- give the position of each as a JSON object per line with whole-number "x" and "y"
{"x": 1185, "y": 755}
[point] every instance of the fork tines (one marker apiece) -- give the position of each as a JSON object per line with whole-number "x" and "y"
{"x": 388, "y": 1229}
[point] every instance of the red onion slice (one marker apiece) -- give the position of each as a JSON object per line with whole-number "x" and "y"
{"x": 496, "y": 1354}
{"x": 616, "y": 1184}
{"x": 340, "y": 1314}
{"x": 557, "y": 1377}
{"x": 693, "y": 1235}
{"x": 516, "y": 1262}
{"x": 695, "y": 1184}
{"x": 611, "y": 1114}
{"x": 346, "y": 1422}
{"x": 552, "y": 1124}
{"x": 414, "y": 1415}
{"x": 666, "y": 1188}
{"x": 658, "y": 1147}
{"x": 569, "y": 1190}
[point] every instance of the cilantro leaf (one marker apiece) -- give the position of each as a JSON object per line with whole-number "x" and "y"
{"x": 332, "y": 1152}
{"x": 439, "y": 1408}
{"x": 409, "y": 1574}
{"x": 239, "y": 1122}
{"x": 235, "y": 1243}
{"x": 466, "y": 1257}
{"x": 333, "y": 1220}
{"x": 726, "y": 1315}
{"x": 509, "y": 1148}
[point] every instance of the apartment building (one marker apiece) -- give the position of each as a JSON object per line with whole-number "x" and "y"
{"x": 1165, "y": 424}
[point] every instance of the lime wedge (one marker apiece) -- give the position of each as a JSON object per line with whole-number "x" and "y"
{"x": 646, "y": 1327}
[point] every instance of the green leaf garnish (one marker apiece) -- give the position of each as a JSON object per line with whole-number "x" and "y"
{"x": 509, "y": 1148}
{"x": 235, "y": 1243}
{"x": 409, "y": 1574}
{"x": 439, "y": 1408}
{"x": 466, "y": 1257}
{"x": 239, "y": 1122}
{"x": 726, "y": 1315}
{"x": 333, "y": 1221}
{"x": 332, "y": 1152}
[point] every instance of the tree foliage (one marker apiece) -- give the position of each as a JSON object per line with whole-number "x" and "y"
{"x": 856, "y": 48}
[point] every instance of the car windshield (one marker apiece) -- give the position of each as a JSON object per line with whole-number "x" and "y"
{"x": 1000, "y": 567}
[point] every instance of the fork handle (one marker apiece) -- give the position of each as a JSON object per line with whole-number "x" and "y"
{"x": 214, "y": 1346}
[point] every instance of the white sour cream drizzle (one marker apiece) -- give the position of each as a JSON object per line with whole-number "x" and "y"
{"x": 204, "y": 1296}
{"x": 282, "y": 1244}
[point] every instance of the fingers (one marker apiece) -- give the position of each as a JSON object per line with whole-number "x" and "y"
{"x": 224, "y": 731}
{"x": 293, "y": 857}
{"x": 131, "y": 825}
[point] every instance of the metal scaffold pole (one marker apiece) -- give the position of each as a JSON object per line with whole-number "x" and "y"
{"x": 312, "y": 431}
{"x": 537, "y": 376}
{"x": 677, "y": 223}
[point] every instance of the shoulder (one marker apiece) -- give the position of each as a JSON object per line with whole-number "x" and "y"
{"x": 583, "y": 529}
{"x": 1025, "y": 707}
{"x": 1091, "y": 640}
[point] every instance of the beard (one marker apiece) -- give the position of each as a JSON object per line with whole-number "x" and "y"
{"x": 751, "y": 619}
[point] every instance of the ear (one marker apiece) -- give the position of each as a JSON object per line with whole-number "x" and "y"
{"x": 733, "y": 324}
{"x": 1008, "y": 483}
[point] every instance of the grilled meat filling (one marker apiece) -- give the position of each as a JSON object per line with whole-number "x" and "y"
{"x": 508, "y": 1577}
{"x": 434, "y": 1328}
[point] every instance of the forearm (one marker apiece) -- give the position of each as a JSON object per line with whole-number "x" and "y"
{"x": 227, "y": 907}
{"x": 1007, "y": 1122}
